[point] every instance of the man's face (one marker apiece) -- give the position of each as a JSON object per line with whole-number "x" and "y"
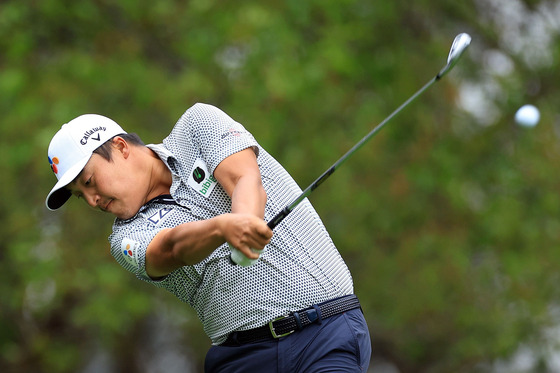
{"x": 111, "y": 186}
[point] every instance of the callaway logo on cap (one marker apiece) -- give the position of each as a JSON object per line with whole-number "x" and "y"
{"x": 71, "y": 148}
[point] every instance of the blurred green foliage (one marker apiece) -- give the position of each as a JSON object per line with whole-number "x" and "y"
{"x": 448, "y": 222}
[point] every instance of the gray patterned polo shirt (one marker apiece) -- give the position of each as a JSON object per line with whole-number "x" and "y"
{"x": 300, "y": 267}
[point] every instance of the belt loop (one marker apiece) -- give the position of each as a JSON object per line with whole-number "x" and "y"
{"x": 318, "y": 310}
{"x": 298, "y": 320}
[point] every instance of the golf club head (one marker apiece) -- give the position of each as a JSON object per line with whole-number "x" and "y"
{"x": 460, "y": 43}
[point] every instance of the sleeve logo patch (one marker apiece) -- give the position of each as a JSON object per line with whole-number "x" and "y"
{"x": 129, "y": 251}
{"x": 201, "y": 180}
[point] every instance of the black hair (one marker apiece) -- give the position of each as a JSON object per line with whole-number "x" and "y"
{"x": 105, "y": 150}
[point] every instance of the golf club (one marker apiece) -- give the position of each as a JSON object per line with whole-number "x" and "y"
{"x": 460, "y": 44}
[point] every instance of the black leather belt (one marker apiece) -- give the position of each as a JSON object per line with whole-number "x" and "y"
{"x": 294, "y": 321}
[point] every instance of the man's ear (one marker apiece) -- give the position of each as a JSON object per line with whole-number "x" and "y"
{"x": 121, "y": 146}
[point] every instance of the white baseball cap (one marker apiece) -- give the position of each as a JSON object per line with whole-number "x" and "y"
{"x": 71, "y": 148}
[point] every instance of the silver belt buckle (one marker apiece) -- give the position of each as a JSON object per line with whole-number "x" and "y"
{"x": 273, "y": 332}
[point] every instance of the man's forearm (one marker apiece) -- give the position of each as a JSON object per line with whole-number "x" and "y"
{"x": 185, "y": 244}
{"x": 190, "y": 243}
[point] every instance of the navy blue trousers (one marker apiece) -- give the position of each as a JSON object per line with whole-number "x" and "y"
{"x": 339, "y": 344}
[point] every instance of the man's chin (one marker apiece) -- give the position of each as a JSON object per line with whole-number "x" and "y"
{"x": 124, "y": 216}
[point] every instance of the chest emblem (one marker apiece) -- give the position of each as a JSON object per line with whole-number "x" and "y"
{"x": 201, "y": 180}
{"x": 159, "y": 215}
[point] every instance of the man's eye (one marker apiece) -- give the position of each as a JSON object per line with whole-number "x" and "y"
{"x": 88, "y": 182}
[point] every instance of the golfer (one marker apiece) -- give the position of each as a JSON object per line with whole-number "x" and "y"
{"x": 182, "y": 206}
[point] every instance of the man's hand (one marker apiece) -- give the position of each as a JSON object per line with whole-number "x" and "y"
{"x": 246, "y": 232}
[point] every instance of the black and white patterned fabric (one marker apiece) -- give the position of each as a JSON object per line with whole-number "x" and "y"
{"x": 299, "y": 268}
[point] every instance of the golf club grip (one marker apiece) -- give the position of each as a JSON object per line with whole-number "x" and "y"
{"x": 279, "y": 217}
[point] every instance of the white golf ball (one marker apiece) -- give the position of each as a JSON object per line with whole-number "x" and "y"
{"x": 527, "y": 116}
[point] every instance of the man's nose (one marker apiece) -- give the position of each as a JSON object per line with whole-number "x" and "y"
{"x": 92, "y": 199}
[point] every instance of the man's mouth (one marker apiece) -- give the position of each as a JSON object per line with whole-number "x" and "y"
{"x": 106, "y": 206}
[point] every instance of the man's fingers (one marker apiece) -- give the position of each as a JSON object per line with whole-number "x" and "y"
{"x": 248, "y": 234}
{"x": 266, "y": 232}
{"x": 252, "y": 245}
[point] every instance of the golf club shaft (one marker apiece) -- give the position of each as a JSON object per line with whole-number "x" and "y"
{"x": 282, "y": 214}
{"x": 460, "y": 43}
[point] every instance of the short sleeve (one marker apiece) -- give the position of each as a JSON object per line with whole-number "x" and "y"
{"x": 217, "y": 135}
{"x": 129, "y": 246}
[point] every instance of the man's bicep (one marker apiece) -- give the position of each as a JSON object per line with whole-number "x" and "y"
{"x": 243, "y": 163}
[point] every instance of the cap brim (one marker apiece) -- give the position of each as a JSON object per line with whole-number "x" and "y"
{"x": 59, "y": 194}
